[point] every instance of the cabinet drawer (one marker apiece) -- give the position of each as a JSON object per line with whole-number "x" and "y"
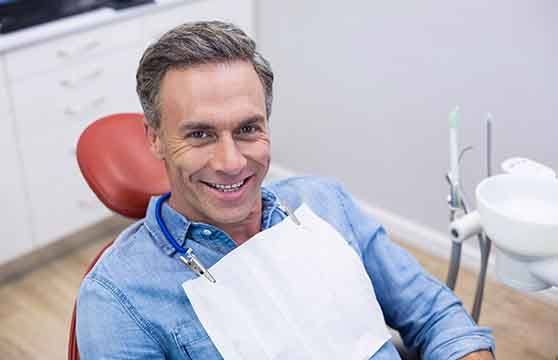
{"x": 239, "y": 12}
{"x": 75, "y": 97}
{"x": 72, "y": 49}
{"x": 61, "y": 202}
{"x": 51, "y": 111}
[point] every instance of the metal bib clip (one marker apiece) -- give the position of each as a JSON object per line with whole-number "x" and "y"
{"x": 194, "y": 264}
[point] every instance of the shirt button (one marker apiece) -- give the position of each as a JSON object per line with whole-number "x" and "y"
{"x": 206, "y": 232}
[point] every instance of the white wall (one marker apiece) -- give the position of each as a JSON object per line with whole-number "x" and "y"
{"x": 363, "y": 90}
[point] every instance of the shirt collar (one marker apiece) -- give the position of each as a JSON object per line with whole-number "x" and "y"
{"x": 181, "y": 228}
{"x": 270, "y": 203}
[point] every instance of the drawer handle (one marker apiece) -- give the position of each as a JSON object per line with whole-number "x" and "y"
{"x": 66, "y": 54}
{"x": 75, "y": 110}
{"x": 74, "y": 83}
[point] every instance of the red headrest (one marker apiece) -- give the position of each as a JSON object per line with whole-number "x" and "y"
{"x": 114, "y": 157}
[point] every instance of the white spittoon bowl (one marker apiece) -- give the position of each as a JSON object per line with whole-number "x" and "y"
{"x": 519, "y": 213}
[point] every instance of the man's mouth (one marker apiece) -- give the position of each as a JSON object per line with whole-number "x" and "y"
{"x": 227, "y": 187}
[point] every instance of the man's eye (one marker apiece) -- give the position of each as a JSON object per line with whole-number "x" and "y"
{"x": 248, "y": 129}
{"x": 198, "y": 134}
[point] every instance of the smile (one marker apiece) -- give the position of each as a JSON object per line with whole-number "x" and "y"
{"x": 226, "y": 187}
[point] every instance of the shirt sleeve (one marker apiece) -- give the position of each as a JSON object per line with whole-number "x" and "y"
{"x": 427, "y": 314}
{"x": 108, "y": 329}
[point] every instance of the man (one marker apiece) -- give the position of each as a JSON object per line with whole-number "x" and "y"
{"x": 207, "y": 93}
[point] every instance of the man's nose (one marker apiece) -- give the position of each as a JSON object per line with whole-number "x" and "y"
{"x": 227, "y": 158}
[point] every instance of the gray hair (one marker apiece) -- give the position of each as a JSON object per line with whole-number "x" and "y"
{"x": 193, "y": 44}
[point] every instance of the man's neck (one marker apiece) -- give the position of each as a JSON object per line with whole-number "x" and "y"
{"x": 242, "y": 231}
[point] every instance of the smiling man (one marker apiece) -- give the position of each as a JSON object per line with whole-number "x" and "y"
{"x": 207, "y": 94}
{"x": 215, "y": 143}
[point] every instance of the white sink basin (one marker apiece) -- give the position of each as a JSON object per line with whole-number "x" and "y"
{"x": 520, "y": 213}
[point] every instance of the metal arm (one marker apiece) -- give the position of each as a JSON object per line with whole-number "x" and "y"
{"x": 456, "y": 202}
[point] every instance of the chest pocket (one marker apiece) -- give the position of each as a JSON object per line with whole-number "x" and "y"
{"x": 194, "y": 343}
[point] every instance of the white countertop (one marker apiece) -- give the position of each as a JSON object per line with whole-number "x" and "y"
{"x": 72, "y": 24}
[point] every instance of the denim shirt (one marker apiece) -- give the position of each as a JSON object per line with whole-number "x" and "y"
{"x": 132, "y": 305}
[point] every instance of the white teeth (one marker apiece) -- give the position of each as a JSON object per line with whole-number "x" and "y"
{"x": 227, "y": 188}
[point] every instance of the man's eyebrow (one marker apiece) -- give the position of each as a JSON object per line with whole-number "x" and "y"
{"x": 196, "y": 125}
{"x": 202, "y": 125}
{"x": 252, "y": 120}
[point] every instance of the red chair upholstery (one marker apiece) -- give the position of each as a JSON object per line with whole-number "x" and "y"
{"x": 114, "y": 158}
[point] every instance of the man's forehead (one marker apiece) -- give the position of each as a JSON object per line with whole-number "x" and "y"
{"x": 212, "y": 79}
{"x": 215, "y": 94}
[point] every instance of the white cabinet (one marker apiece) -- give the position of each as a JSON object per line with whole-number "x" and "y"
{"x": 15, "y": 230}
{"x": 52, "y": 109}
{"x": 71, "y": 49}
{"x": 73, "y": 97}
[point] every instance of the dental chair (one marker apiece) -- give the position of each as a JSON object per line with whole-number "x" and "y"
{"x": 114, "y": 158}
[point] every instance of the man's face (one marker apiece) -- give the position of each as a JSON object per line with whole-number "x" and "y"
{"x": 214, "y": 139}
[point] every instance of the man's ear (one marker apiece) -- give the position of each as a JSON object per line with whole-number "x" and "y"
{"x": 155, "y": 143}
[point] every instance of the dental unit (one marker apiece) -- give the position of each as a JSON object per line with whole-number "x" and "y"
{"x": 517, "y": 211}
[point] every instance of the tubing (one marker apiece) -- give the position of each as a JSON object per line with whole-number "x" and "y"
{"x": 485, "y": 244}
{"x": 455, "y": 261}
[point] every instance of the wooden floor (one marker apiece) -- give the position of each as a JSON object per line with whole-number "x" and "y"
{"x": 35, "y": 311}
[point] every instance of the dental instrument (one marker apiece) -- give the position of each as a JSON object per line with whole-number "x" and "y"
{"x": 454, "y": 156}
